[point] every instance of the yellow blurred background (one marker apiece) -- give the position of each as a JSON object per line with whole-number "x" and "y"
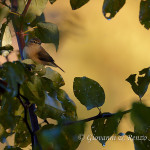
{"x": 107, "y": 51}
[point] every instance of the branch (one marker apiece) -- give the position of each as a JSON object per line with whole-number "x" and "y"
{"x": 25, "y": 116}
{"x": 26, "y": 8}
{"x": 100, "y": 115}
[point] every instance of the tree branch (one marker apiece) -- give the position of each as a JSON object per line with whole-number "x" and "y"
{"x": 100, "y": 115}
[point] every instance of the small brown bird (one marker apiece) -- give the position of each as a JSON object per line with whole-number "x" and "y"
{"x": 33, "y": 50}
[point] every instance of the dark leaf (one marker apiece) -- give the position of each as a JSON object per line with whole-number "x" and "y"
{"x": 111, "y": 7}
{"x": 12, "y": 148}
{"x": 106, "y": 127}
{"x": 22, "y": 135}
{"x": 52, "y": 1}
{"x": 144, "y": 16}
{"x": 48, "y": 33}
{"x": 140, "y": 116}
{"x": 61, "y": 138}
{"x": 14, "y": 74}
{"x": 75, "y": 4}
{"x": 88, "y": 92}
{"x": 141, "y": 141}
{"x": 140, "y": 87}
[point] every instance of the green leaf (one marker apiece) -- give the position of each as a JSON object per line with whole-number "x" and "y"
{"x": 75, "y": 4}
{"x": 111, "y": 7}
{"x": 67, "y": 104}
{"x": 8, "y": 111}
{"x": 14, "y": 75}
{"x": 61, "y": 137}
{"x": 140, "y": 116}
{"x": 52, "y": 1}
{"x": 144, "y": 13}
{"x": 35, "y": 9}
{"x": 33, "y": 90}
{"x": 48, "y": 33}
{"x": 141, "y": 86}
{"x": 106, "y": 127}
{"x": 22, "y": 135}
{"x": 4, "y": 11}
{"x": 55, "y": 77}
{"x": 37, "y": 20}
{"x": 40, "y": 69}
{"x": 88, "y": 92}
{"x": 141, "y": 142}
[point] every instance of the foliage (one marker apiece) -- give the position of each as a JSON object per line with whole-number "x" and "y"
{"x": 29, "y": 90}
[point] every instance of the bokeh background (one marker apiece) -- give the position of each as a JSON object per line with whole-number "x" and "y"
{"x": 107, "y": 51}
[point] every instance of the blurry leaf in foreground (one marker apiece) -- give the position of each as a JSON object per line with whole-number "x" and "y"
{"x": 88, "y": 92}
{"x": 61, "y": 137}
{"x": 140, "y": 87}
{"x": 106, "y": 127}
{"x": 111, "y": 7}
{"x": 144, "y": 16}
{"x": 75, "y": 4}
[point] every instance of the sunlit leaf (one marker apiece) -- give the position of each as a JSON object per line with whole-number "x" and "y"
{"x": 7, "y": 38}
{"x": 140, "y": 87}
{"x": 111, "y": 7}
{"x": 35, "y": 9}
{"x": 106, "y": 127}
{"x": 3, "y": 12}
{"x": 88, "y": 92}
{"x": 48, "y": 33}
{"x": 75, "y": 4}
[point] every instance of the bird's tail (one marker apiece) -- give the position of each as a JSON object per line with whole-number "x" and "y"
{"x": 58, "y": 66}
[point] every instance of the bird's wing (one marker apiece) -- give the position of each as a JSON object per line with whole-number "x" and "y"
{"x": 44, "y": 56}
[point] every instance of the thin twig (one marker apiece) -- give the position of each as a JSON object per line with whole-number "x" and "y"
{"x": 15, "y": 13}
{"x": 30, "y": 29}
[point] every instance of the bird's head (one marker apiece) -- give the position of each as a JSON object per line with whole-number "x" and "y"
{"x": 35, "y": 41}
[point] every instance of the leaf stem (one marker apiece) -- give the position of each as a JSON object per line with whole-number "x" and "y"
{"x": 30, "y": 29}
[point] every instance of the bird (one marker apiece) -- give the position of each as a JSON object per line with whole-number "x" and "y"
{"x": 33, "y": 50}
